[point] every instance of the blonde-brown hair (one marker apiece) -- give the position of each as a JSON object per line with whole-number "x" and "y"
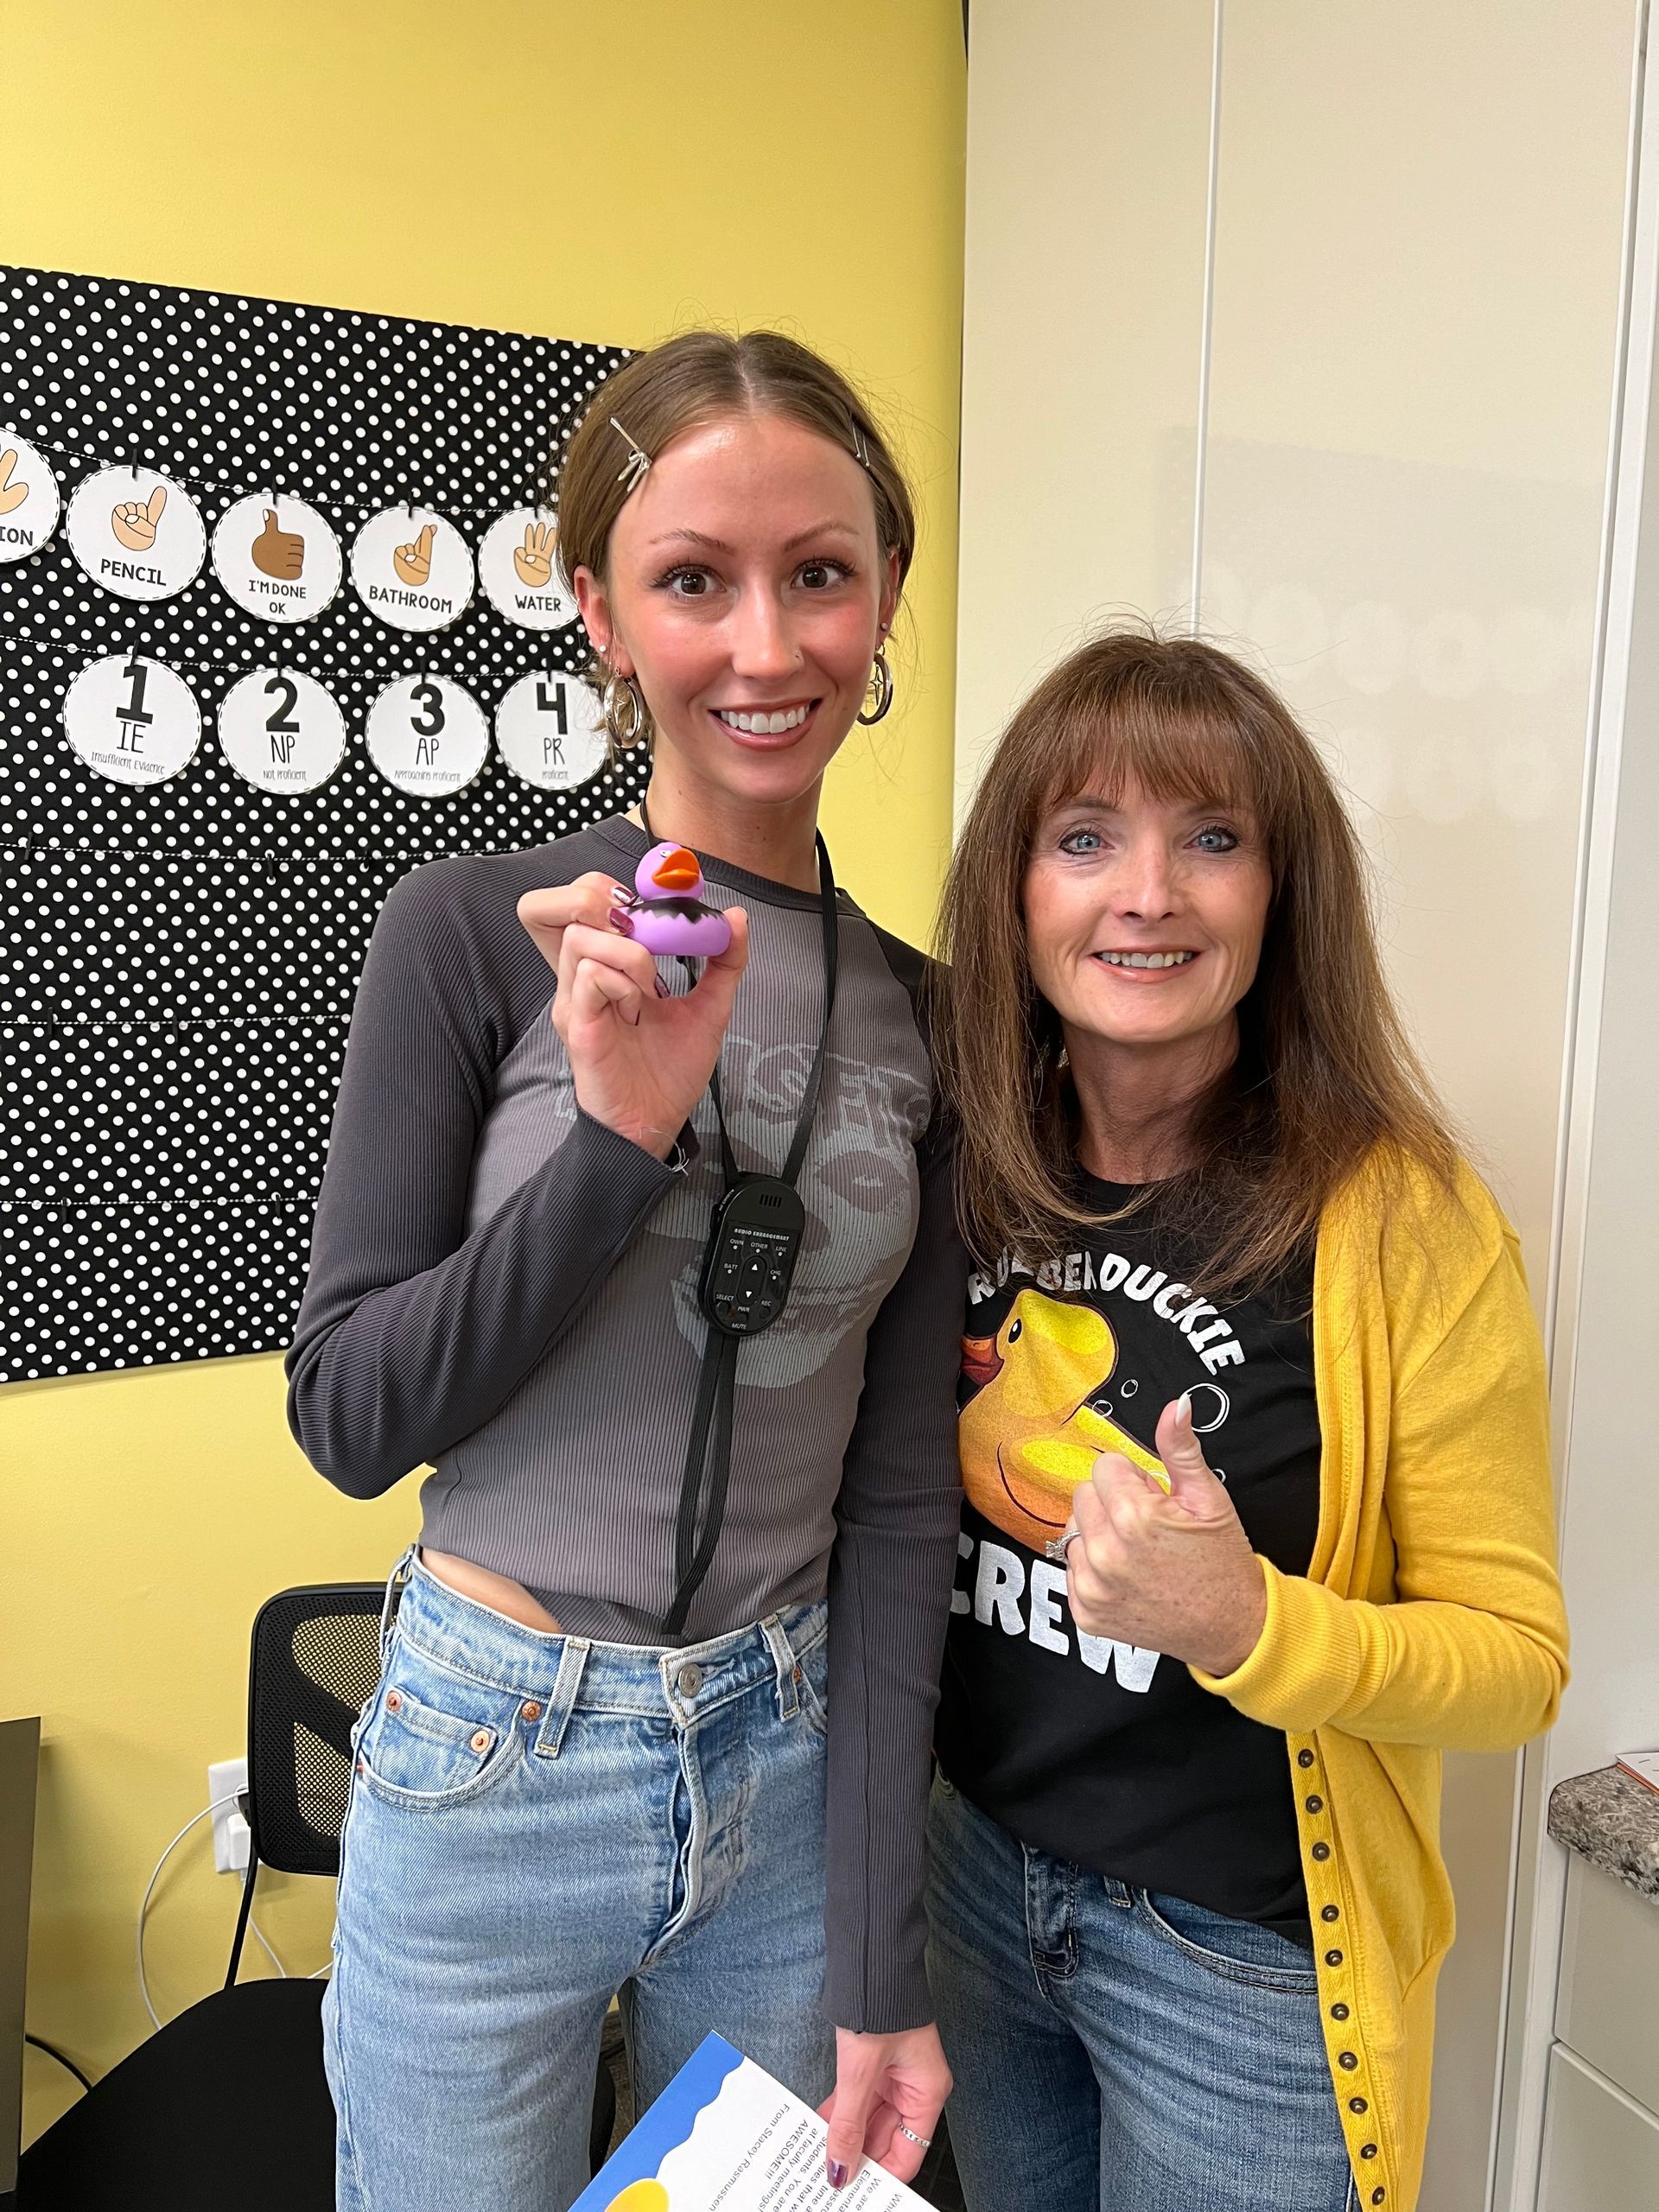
{"x": 695, "y": 378}
{"x": 1325, "y": 1077}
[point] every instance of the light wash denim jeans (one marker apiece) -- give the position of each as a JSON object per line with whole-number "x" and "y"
{"x": 1119, "y": 2051}
{"x": 536, "y": 1823}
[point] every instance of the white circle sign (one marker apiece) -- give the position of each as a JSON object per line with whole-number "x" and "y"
{"x": 29, "y": 498}
{"x": 519, "y": 568}
{"x": 412, "y": 569}
{"x": 282, "y": 731}
{"x": 138, "y": 534}
{"x": 132, "y": 719}
{"x": 277, "y": 557}
{"x": 550, "y": 731}
{"x": 427, "y": 736}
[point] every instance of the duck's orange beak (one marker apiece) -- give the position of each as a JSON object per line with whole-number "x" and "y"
{"x": 677, "y": 871}
{"x": 981, "y": 1363}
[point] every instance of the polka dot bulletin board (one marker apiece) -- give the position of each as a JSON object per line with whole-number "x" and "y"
{"x": 222, "y": 710}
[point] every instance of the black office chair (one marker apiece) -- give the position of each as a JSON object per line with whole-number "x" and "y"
{"x": 235, "y": 2085}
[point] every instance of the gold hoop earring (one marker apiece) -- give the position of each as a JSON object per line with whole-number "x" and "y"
{"x": 623, "y": 711}
{"x": 880, "y": 683}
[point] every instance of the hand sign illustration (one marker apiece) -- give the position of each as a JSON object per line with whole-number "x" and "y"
{"x": 279, "y": 553}
{"x": 534, "y": 558}
{"x": 11, "y": 495}
{"x": 414, "y": 563}
{"x": 135, "y": 525}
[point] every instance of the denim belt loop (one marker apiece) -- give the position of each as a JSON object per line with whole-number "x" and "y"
{"x": 561, "y": 1704}
{"x": 784, "y": 1659}
{"x": 397, "y": 1583}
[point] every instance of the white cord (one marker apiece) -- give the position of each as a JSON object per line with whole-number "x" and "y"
{"x": 218, "y": 1805}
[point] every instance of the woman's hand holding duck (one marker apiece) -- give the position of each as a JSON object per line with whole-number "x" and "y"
{"x": 1171, "y": 1572}
{"x": 640, "y": 1057}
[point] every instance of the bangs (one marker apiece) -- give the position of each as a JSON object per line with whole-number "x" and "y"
{"x": 1178, "y": 753}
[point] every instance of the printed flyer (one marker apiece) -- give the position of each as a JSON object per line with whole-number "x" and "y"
{"x": 724, "y": 2137}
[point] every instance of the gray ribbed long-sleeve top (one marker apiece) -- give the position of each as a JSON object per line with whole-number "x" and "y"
{"x": 503, "y": 1288}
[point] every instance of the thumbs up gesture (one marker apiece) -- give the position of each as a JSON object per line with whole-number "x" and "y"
{"x": 414, "y": 563}
{"x": 278, "y": 553}
{"x": 134, "y": 521}
{"x": 1170, "y": 1571}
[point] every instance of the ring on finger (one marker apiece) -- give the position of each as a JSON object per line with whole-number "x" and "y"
{"x": 924, "y": 2142}
{"x": 1056, "y": 1546}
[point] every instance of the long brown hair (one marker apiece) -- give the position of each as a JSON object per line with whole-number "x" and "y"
{"x": 1326, "y": 1077}
{"x": 696, "y": 377}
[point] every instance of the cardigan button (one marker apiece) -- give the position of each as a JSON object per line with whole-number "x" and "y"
{"x": 1339, "y": 2012}
{"x": 1330, "y": 1912}
{"x": 1316, "y": 1804}
{"x": 1321, "y": 1851}
{"x": 1333, "y": 1958}
{"x": 1377, "y": 2195}
{"x": 1368, "y": 2149}
{"x": 1347, "y": 2061}
{"x": 1357, "y": 2104}
{"x": 1304, "y": 1758}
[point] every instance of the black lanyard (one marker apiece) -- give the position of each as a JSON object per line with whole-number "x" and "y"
{"x": 755, "y": 1239}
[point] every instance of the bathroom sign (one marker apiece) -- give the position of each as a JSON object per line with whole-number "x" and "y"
{"x": 137, "y": 533}
{"x": 277, "y": 557}
{"x": 412, "y": 569}
{"x": 29, "y": 498}
{"x": 132, "y": 719}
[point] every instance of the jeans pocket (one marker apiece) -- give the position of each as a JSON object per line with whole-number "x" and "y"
{"x": 1235, "y": 1950}
{"x": 812, "y": 1685}
{"x": 414, "y": 1752}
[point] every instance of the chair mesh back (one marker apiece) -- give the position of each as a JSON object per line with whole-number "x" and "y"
{"x": 315, "y": 1664}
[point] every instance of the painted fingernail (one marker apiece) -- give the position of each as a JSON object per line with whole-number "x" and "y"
{"x": 663, "y": 991}
{"x": 838, "y": 2173}
{"x": 621, "y": 923}
{"x": 1184, "y": 1405}
{"x": 621, "y": 895}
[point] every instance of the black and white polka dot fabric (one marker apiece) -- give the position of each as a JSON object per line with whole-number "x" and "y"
{"x": 178, "y": 962}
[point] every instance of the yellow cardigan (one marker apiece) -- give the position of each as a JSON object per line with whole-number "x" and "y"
{"x": 1430, "y": 1619}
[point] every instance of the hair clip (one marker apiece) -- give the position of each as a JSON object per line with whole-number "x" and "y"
{"x": 860, "y": 451}
{"x": 638, "y": 460}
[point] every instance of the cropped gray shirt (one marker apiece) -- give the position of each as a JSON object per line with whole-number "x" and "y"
{"x": 503, "y": 1288}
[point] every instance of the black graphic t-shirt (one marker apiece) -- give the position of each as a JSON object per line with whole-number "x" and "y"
{"x": 1094, "y": 1751}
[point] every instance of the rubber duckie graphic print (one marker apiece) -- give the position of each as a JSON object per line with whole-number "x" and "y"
{"x": 1034, "y": 1426}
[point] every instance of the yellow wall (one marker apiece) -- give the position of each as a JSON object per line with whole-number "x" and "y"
{"x": 598, "y": 171}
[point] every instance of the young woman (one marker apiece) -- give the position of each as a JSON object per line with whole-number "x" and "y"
{"x": 1255, "y": 1450}
{"x": 652, "y": 1554}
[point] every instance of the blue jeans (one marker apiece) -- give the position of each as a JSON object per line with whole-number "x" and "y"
{"x": 1119, "y": 2051}
{"x": 536, "y": 1823}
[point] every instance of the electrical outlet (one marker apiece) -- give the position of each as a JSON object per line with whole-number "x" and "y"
{"x": 230, "y": 1829}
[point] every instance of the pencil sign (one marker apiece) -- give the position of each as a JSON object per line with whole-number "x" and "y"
{"x": 519, "y": 568}
{"x": 282, "y": 731}
{"x": 277, "y": 557}
{"x": 550, "y": 733}
{"x": 132, "y": 720}
{"x": 427, "y": 736}
{"x": 138, "y": 534}
{"x": 29, "y": 498}
{"x": 412, "y": 569}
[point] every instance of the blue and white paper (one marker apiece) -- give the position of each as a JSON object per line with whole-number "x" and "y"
{"x": 725, "y": 2137}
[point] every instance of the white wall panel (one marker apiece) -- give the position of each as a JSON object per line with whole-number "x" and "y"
{"x": 1088, "y": 130}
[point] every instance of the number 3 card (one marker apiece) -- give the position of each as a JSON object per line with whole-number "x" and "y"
{"x": 427, "y": 736}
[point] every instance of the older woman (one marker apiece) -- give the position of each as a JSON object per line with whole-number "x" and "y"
{"x": 1254, "y": 1443}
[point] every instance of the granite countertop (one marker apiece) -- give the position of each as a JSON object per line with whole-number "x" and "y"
{"x": 1612, "y": 1820}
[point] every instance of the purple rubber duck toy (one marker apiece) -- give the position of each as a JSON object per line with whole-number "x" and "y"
{"x": 667, "y": 912}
